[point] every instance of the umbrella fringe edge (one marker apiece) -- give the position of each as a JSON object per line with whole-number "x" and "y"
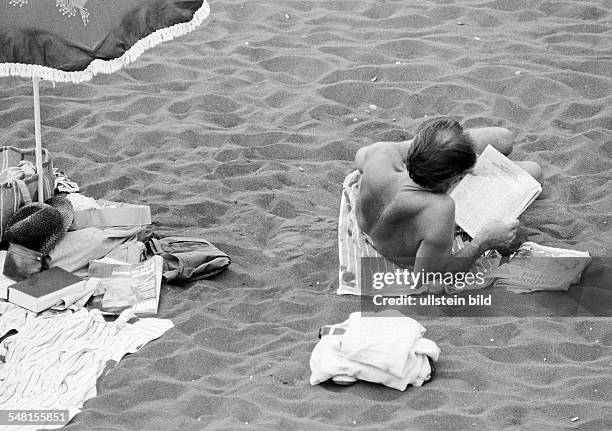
{"x": 108, "y": 66}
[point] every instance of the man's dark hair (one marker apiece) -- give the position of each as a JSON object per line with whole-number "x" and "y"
{"x": 440, "y": 151}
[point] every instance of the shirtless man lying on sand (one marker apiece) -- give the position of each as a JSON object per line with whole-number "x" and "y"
{"x": 403, "y": 203}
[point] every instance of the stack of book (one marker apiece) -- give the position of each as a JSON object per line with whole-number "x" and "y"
{"x": 112, "y": 286}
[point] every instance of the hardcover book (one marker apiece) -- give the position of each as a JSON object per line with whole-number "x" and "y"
{"x": 45, "y": 289}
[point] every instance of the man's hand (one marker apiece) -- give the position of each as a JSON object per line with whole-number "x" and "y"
{"x": 497, "y": 235}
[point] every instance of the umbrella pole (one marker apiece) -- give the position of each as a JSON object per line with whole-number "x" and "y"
{"x": 37, "y": 134}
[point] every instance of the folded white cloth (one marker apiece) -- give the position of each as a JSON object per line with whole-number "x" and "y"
{"x": 392, "y": 353}
{"x": 385, "y": 342}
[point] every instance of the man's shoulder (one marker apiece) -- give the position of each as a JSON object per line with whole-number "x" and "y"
{"x": 389, "y": 147}
{"x": 380, "y": 150}
{"x": 383, "y": 151}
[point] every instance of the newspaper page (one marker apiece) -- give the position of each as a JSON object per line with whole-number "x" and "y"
{"x": 536, "y": 267}
{"x": 497, "y": 190}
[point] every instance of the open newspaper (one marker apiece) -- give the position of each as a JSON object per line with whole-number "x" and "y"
{"x": 120, "y": 285}
{"x": 537, "y": 267}
{"x": 498, "y": 190}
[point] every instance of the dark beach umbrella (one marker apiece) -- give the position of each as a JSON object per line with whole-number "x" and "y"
{"x": 74, "y": 40}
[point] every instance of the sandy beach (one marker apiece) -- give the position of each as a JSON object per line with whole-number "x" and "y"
{"x": 242, "y": 132}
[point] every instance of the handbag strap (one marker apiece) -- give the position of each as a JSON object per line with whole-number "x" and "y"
{"x": 23, "y": 189}
{"x": 153, "y": 247}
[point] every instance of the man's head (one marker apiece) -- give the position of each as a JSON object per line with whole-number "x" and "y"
{"x": 440, "y": 154}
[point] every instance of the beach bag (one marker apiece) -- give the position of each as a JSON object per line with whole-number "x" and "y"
{"x": 187, "y": 258}
{"x": 19, "y": 181}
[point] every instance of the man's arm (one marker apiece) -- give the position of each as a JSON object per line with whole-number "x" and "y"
{"x": 436, "y": 226}
{"x": 434, "y": 252}
{"x": 465, "y": 258}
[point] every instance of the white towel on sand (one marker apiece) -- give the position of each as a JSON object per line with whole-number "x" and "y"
{"x": 328, "y": 360}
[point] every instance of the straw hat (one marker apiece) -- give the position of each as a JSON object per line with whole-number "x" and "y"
{"x": 40, "y": 226}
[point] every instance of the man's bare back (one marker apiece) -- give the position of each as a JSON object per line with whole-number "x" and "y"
{"x": 398, "y": 214}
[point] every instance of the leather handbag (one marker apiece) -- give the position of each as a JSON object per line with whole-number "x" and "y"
{"x": 21, "y": 262}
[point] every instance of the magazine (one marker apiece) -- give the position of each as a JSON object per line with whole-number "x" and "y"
{"x": 120, "y": 285}
{"x": 497, "y": 190}
{"x": 537, "y": 267}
